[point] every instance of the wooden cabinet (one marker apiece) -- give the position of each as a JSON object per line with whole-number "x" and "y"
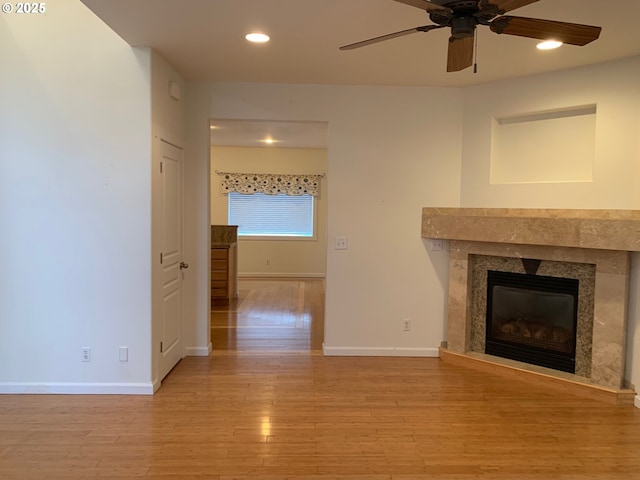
{"x": 223, "y": 274}
{"x": 224, "y": 261}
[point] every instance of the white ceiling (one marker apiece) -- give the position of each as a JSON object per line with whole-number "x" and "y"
{"x": 204, "y": 40}
{"x": 253, "y": 133}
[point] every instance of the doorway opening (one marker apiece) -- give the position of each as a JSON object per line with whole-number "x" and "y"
{"x": 279, "y": 305}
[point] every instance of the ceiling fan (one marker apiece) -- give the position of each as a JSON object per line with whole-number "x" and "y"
{"x": 463, "y": 16}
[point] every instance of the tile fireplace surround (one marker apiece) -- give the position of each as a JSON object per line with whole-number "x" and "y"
{"x": 567, "y": 242}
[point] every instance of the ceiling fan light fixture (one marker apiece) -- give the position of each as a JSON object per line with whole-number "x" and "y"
{"x": 549, "y": 45}
{"x": 256, "y": 37}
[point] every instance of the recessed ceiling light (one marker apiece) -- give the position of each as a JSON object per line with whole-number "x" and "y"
{"x": 257, "y": 37}
{"x": 548, "y": 45}
{"x": 269, "y": 141}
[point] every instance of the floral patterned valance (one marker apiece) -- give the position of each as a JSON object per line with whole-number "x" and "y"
{"x": 270, "y": 183}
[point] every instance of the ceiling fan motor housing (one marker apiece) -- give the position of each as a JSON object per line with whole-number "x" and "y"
{"x": 458, "y": 8}
{"x": 463, "y": 27}
{"x": 463, "y": 16}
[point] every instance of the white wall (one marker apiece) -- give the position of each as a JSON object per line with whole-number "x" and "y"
{"x": 75, "y": 196}
{"x": 291, "y": 257}
{"x": 391, "y": 152}
{"x": 196, "y": 296}
{"x": 167, "y": 119}
{"x": 74, "y": 204}
{"x": 615, "y": 89}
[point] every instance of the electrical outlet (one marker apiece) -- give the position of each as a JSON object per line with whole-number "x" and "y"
{"x": 436, "y": 245}
{"x": 406, "y": 325}
{"x": 85, "y": 353}
{"x": 123, "y": 354}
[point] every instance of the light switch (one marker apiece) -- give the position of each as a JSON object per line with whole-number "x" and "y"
{"x": 341, "y": 243}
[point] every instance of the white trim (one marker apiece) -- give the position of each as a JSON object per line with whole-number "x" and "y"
{"x": 198, "y": 351}
{"x": 276, "y": 238}
{"x": 77, "y": 388}
{"x": 280, "y": 275}
{"x": 379, "y": 352}
{"x": 636, "y": 401}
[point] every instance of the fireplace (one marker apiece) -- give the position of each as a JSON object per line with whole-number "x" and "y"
{"x": 532, "y": 319}
{"x": 591, "y": 246}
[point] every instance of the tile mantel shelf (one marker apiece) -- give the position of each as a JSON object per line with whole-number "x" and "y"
{"x": 595, "y": 229}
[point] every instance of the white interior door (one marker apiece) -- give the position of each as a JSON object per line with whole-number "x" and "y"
{"x": 171, "y": 257}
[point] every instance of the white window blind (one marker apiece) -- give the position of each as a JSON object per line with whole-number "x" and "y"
{"x": 258, "y": 214}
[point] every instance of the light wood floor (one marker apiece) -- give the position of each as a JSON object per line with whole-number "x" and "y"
{"x": 271, "y": 315}
{"x": 260, "y": 415}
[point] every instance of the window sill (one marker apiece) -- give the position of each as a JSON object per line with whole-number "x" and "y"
{"x": 271, "y": 238}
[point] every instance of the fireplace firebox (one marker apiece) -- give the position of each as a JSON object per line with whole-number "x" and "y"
{"x": 532, "y": 319}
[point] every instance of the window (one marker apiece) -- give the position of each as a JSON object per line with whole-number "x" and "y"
{"x": 262, "y": 215}
{"x": 271, "y": 205}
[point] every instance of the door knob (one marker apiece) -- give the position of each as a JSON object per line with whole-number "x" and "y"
{"x": 183, "y": 265}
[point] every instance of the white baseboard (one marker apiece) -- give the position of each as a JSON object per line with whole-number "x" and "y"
{"x": 198, "y": 351}
{"x": 379, "y": 352}
{"x": 636, "y": 401}
{"x": 280, "y": 275}
{"x": 77, "y": 388}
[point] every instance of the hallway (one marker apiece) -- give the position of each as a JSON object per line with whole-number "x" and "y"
{"x": 271, "y": 316}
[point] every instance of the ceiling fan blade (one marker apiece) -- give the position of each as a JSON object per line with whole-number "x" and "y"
{"x": 504, "y": 6}
{"x": 571, "y": 33}
{"x": 426, "y": 5}
{"x": 382, "y": 38}
{"x": 460, "y": 54}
